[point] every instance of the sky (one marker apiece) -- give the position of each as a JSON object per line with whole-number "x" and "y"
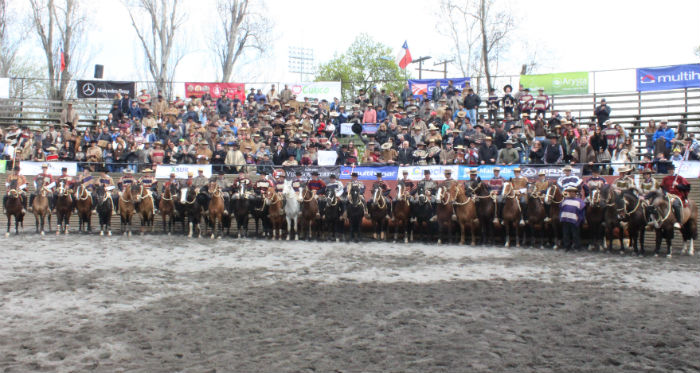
{"x": 569, "y": 36}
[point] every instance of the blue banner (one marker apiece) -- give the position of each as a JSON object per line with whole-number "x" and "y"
{"x": 418, "y": 87}
{"x": 369, "y": 173}
{"x": 672, "y": 77}
{"x": 486, "y": 172}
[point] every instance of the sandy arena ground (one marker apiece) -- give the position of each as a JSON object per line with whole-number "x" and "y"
{"x": 169, "y": 304}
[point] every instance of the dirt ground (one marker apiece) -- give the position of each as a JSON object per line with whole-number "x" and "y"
{"x": 168, "y": 304}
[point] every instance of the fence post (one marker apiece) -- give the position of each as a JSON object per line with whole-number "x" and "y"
{"x": 639, "y": 104}
{"x": 685, "y": 99}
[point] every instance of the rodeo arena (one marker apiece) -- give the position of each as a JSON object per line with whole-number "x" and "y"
{"x": 269, "y": 229}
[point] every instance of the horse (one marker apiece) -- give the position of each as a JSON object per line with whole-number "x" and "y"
{"x": 241, "y": 207}
{"x": 633, "y": 211}
{"x": 309, "y": 212}
{"x": 64, "y": 208}
{"x": 553, "y": 198}
{"x": 104, "y": 209}
{"x": 292, "y": 211}
{"x": 402, "y": 213}
{"x": 259, "y": 211}
{"x": 276, "y": 212}
{"x": 127, "y": 207}
{"x": 661, "y": 214}
{"x": 331, "y": 215}
{"x": 422, "y": 210}
{"x": 13, "y": 207}
{"x": 192, "y": 211}
{"x": 166, "y": 206}
{"x": 41, "y": 208}
{"x": 216, "y": 211}
{"x": 613, "y": 202}
{"x": 511, "y": 213}
{"x": 485, "y": 209}
{"x": 595, "y": 214}
{"x": 465, "y": 210}
{"x": 83, "y": 204}
{"x": 378, "y": 213}
{"x": 445, "y": 210}
{"x": 146, "y": 208}
{"x": 536, "y": 215}
{"x": 356, "y": 210}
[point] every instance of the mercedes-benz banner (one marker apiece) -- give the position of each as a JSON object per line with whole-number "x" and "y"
{"x": 104, "y": 88}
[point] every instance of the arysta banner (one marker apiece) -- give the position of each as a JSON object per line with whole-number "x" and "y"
{"x": 316, "y": 90}
{"x": 216, "y": 90}
{"x": 557, "y": 84}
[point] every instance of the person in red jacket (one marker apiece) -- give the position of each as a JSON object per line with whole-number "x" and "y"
{"x": 678, "y": 186}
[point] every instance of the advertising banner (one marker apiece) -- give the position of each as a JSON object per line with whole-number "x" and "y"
{"x": 163, "y": 171}
{"x": 327, "y": 157}
{"x": 324, "y": 172}
{"x": 437, "y": 172}
{"x": 316, "y": 90}
{"x": 104, "y": 88}
{"x": 370, "y": 173}
{"x": 346, "y": 129}
{"x": 557, "y": 84}
{"x": 671, "y": 77}
{"x": 420, "y": 86}
{"x": 34, "y": 168}
{"x": 688, "y": 169}
{"x": 216, "y": 90}
{"x": 553, "y": 172}
{"x": 485, "y": 172}
{"x": 3, "y": 165}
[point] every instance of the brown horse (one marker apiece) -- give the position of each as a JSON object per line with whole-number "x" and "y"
{"x": 378, "y": 214}
{"x": 661, "y": 213}
{"x": 485, "y": 209}
{"x": 402, "y": 213}
{"x": 216, "y": 211}
{"x": 309, "y": 212}
{"x": 146, "y": 208}
{"x": 127, "y": 207}
{"x": 64, "y": 208}
{"x": 552, "y": 200}
{"x": 444, "y": 211}
{"x": 276, "y": 203}
{"x": 611, "y": 218}
{"x": 595, "y": 214}
{"x": 465, "y": 209}
{"x": 14, "y": 207}
{"x": 83, "y": 204}
{"x": 41, "y": 208}
{"x": 536, "y": 215}
{"x": 633, "y": 211}
{"x": 511, "y": 213}
{"x": 167, "y": 207}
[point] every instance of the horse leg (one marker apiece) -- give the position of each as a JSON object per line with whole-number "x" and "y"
{"x": 289, "y": 228}
{"x": 213, "y": 228}
{"x": 9, "y": 219}
{"x": 669, "y": 238}
{"x": 517, "y": 235}
{"x": 296, "y": 228}
{"x": 507, "y": 226}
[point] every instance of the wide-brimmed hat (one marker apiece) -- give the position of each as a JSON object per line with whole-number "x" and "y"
{"x": 497, "y": 169}
{"x": 473, "y": 171}
{"x": 571, "y": 188}
{"x": 542, "y": 173}
{"x": 386, "y": 146}
{"x": 567, "y": 168}
{"x": 462, "y": 114}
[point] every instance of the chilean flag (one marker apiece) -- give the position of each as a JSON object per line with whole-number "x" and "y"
{"x": 406, "y": 59}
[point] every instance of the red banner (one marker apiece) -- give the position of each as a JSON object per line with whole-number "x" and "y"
{"x": 216, "y": 90}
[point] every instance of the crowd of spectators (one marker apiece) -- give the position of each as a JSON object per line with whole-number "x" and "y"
{"x": 450, "y": 126}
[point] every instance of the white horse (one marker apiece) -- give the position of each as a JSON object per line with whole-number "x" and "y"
{"x": 292, "y": 210}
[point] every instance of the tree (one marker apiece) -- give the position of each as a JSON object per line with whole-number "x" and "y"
{"x": 242, "y": 28}
{"x": 366, "y": 63}
{"x": 158, "y": 33}
{"x": 9, "y": 41}
{"x": 472, "y": 23}
{"x": 60, "y": 27}
{"x": 697, "y": 51}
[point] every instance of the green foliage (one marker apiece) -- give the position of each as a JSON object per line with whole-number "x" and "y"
{"x": 366, "y": 63}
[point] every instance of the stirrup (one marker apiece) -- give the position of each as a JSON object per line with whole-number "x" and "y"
{"x": 547, "y": 219}
{"x": 494, "y": 221}
{"x": 676, "y": 225}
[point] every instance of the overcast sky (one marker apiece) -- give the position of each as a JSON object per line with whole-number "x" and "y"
{"x": 571, "y": 36}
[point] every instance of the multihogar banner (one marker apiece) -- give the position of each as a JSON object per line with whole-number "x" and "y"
{"x": 216, "y": 90}
{"x": 316, "y": 90}
{"x": 369, "y": 173}
{"x": 420, "y": 86}
{"x": 557, "y": 83}
{"x": 671, "y": 77}
{"x": 104, "y": 88}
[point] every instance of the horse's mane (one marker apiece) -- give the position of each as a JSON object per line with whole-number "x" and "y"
{"x": 654, "y": 194}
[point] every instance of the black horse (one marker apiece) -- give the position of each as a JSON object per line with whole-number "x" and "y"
{"x": 331, "y": 213}
{"x": 356, "y": 210}
{"x": 424, "y": 210}
{"x": 240, "y": 207}
{"x": 259, "y": 210}
{"x": 104, "y": 209}
{"x": 192, "y": 212}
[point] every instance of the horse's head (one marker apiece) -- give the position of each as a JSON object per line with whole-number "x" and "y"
{"x": 507, "y": 189}
{"x": 12, "y": 185}
{"x": 100, "y": 192}
{"x": 171, "y": 190}
{"x": 354, "y": 193}
{"x": 135, "y": 189}
{"x": 595, "y": 198}
{"x": 399, "y": 191}
{"x": 553, "y": 193}
{"x": 61, "y": 188}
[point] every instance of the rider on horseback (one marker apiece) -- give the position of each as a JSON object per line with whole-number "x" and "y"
{"x": 496, "y": 187}
{"x": 150, "y": 183}
{"x": 426, "y": 186}
{"x": 407, "y": 185}
{"x": 105, "y": 180}
{"x": 384, "y": 190}
{"x": 21, "y": 185}
{"x": 225, "y": 188}
{"x": 625, "y": 182}
{"x": 336, "y": 186}
{"x": 316, "y": 185}
{"x": 520, "y": 184}
{"x": 594, "y": 182}
{"x": 354, "y": 182}
{"x": 200, "y": 181}
{"x": 678, "y": 186}
{"x": 648, "y": 183}
{"x": 67, "y": 181}
{"x": 41, "y": 180}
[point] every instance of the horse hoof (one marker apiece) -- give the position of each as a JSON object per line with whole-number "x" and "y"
{"x": 7, "y": 234}
{"x": 288, "y": 238}
{"x": 669, "y": 256}
{"x": 42, "y": 233}
{"x": 405, "y": 240}
{"x": 337, "y": 240}
{"x": 109, "y": 233}
{"x": 296, "y": 238}
{"x": 517, "y": 246}
{"x": 213, "y": 236}
{"x": 656, "y": 255}
{"x": 102, "y": 233}
{"x": 439, "y": 242}
{"x": 129, "y": 234}
{"x": 506, "y": 245}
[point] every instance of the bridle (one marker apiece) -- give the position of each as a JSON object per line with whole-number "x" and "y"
{"x": 378, "y": 199}
{"x": 551, "y": 194}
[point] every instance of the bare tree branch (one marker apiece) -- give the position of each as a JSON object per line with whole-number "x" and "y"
{"x": 11, "y": 38}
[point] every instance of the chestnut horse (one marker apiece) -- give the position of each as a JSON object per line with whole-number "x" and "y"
{"x": 402, "y": 213}
{"x": 41, "y": 208}
{"x": 552, "y": 200}
{"x": 126, "y": 207}
{"x": 64, "y": 208}
{"x": 511, "y": 213}
{"x": 465, "y": 209}
{"x": 166, "y": 206}
{"x": 309, "y": 212}
{"x": 444, "y": 212}
{"x": 216, "y": 211}
{"x": 83, "y": 204}
{"x": 378, "y": 213}
{"x": 595, "y": 213}
{"x": 276, "y": 212}
{"x": 536, "y": 215}
{"x": 146, "y": 208}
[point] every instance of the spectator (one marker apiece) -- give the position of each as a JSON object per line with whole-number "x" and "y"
{"x": 541, "y": 103}
{"x": 602, "y": 112}
{"x": 471, "y": 104}
{"x": 649, "y": 132}
{"x": 664, "y": 132}
{"x": 553, "y": 152}
{"x": 488, "y": 153}
{"x": 370, "y": 115}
